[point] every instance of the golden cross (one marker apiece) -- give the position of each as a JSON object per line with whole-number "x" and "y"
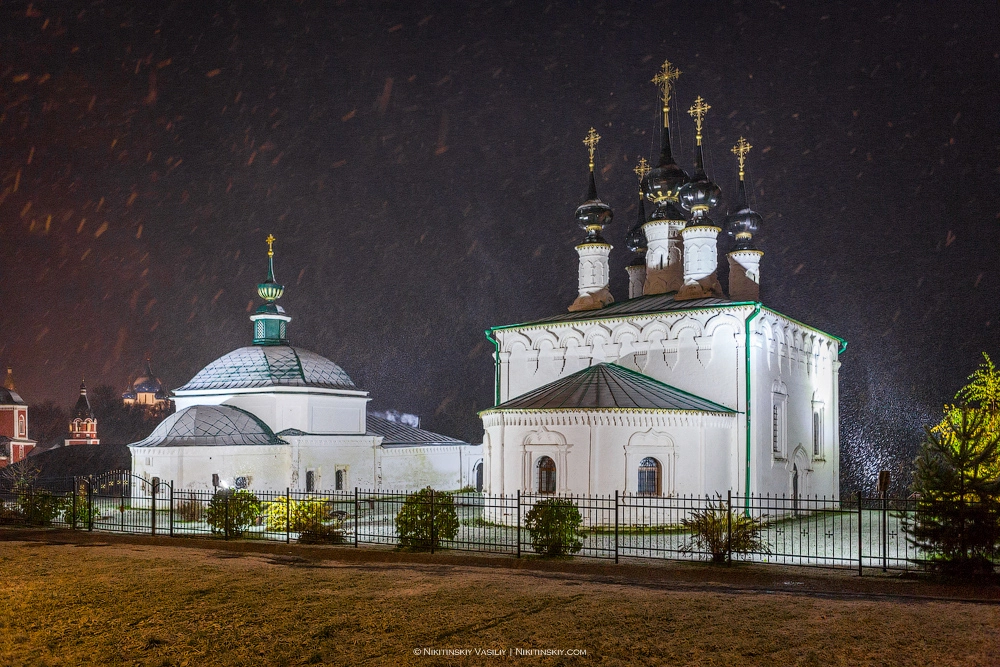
{"x": 665, "y": 80}
{"x": 270, "y": 241}
{"x": 698, "y": 111}
{"x": 591, "y": 142}
{"x": 641, "y": 169}
{"x": 740, "y": 150}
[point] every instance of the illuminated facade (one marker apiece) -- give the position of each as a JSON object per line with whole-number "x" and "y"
{"x": 681, "y": 389}
{"x": 273, "y": 416}
{"x": 148, "y": 391}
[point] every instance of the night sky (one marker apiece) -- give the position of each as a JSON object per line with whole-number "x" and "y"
{"x": 420, "y": 167}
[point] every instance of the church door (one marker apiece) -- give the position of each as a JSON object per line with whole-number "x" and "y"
{"x": 479, "y": 477}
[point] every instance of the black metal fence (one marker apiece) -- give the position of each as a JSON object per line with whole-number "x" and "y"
{"x": 852, "y": 532}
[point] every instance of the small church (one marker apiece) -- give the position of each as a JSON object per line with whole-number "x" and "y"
{"x": 271, "y": 416}
{"x": 15, "y": 445}
{"x": 683, "y": 388}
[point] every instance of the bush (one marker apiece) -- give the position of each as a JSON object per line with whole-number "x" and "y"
{"x": 37, "y": 507}
{"x": 418, "y": 528}
{"x": 304, "y": 514}
{"x": 84, "y": 513}
{"x": 554, "y": 526}
{"x": 190, "y": 510}
{"x": 710, "y": 532}
{"x": 232, "y": 511}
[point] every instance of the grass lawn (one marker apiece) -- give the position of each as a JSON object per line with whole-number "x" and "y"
{"x": 143, "y": 604}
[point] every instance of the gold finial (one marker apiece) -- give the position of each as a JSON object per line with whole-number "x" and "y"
{"x": 740, "y": 150}
{"x": 270, "y": 245}
{"x": 698, "y": 111}
{"x": 641, "y": 170}
{"x": 591, "y": 142}
{"x": 665, "y": 80}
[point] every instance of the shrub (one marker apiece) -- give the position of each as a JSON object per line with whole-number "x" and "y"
{"x": 554, "y": 526}
{"x": 84, "y": 513}
{"x": 190, "y": 510}
{"x": 306, "y": 514}
{"x": 710, "y": 532}
{"x": 418, "y": 527}
{"x": 232, "y": 511}
{"x": 323, "y": 533}
{"x": 37, "y": 507}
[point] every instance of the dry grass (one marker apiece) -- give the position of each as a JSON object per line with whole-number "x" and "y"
{"x": 122, "y": 604}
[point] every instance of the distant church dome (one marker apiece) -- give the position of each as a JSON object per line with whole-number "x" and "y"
{"x": 270, "y": 366}
{"x": 210, "y": 425}
{"x": 146, "y": 383}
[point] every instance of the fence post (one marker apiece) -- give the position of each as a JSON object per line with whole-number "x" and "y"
{"x": 75, "y": 490}
{"x": 226, "y": 497}
{"x": 155, "y": 482}
{"x": 357, "y": 517}
{"x": 616, "y": 526}
{"x": 729, "y": 527}
{"x": 885, "y": 530}
{"x": 432, "y": 520}
{"x": 170, "y": 512}
{"x": 519, "y": 523}
{"x": 288, "y": 514}
{"x": 860, "y": 535}
{"x": 90, "y": 503}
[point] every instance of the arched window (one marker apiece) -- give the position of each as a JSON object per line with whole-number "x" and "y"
{"x": 339, "y": 481}
{"x": 22, "y": 426}
{"x": 546, "y": 475}
{"x": 310, "y": 480}
{"x": 649, "y": 477}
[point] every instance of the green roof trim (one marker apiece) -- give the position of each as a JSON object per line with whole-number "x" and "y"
{"x": 608, "y": 386}
{"x": 619, "y": 311}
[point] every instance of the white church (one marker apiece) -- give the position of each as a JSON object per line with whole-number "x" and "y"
{"x": 680, "y": 390}
{"x": 272, "y": 416}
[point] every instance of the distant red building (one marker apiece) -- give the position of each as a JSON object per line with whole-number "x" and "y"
{"x": 83, "y": 427}
{"x": 14, "y": 442}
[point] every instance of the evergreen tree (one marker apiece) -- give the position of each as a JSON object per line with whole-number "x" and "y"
{"x": 957, "y": 522}
{"x": 981, "y": 395}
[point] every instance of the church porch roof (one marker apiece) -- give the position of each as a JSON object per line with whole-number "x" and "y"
{"x": 610, "y": 386}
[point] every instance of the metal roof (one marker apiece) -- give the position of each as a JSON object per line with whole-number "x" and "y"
{"x": 270, "y": 366}
{"x": 10, "y": 397}
{"x": 651, "y": 304}
{"x": 397, "y": 434}
{"x": 610, "y": 386}
{"x": 208, "y": 426}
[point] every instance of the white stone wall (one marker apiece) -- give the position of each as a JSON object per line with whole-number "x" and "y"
{"x": 598, "y": 452}
{"x": 308, "y": 410}
{"x": 365, "y": 464}
{"x": 701, "y": 352}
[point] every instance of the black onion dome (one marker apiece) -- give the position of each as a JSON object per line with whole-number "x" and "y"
{"x": 701, "y": 193}
{"x": 82, "y": 409}
{"x": 744, "y": 222}
{"x": 635, "y": 240}
{"x": 666, "y": 179}
{"x": 593, "y": 214}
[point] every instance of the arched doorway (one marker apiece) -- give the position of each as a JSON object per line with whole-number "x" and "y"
{"x": 478, "y": 472}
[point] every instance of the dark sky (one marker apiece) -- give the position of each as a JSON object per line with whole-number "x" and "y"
{"x": 420, "y": 167}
